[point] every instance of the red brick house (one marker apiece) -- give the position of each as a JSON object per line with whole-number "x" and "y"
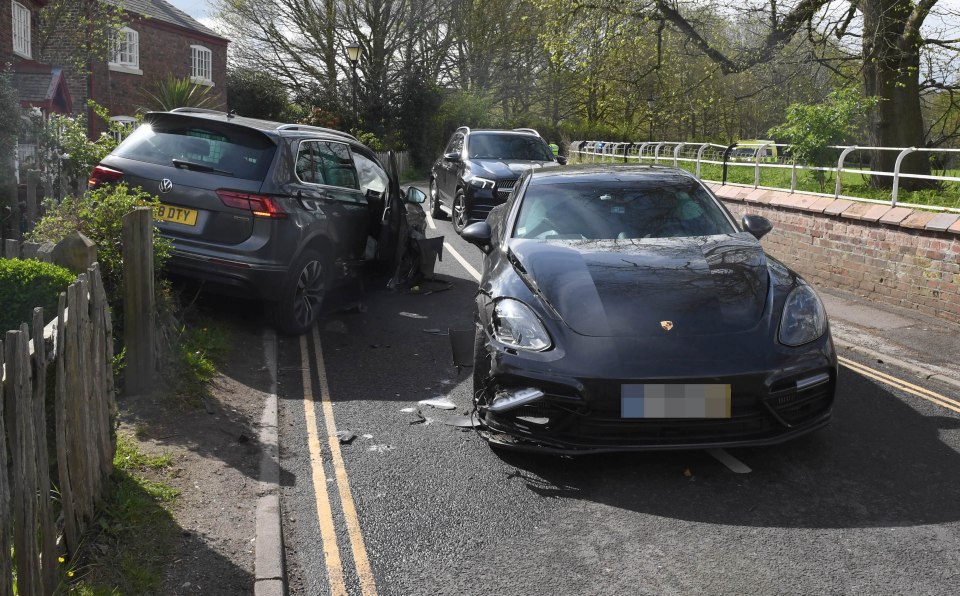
{"x": 158, "y": 40}
{"x": 38, "y": 84}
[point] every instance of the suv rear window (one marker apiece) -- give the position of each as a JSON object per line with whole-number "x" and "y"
{"x": 226, "y": 150}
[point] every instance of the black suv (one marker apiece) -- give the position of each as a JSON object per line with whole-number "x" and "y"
{"x": 283, "y": 212}
{"x": 479, "y": 169}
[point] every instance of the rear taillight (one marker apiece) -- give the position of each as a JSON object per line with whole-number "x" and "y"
{"x": 103, "y": 174}
{"x": 260, "y": 205}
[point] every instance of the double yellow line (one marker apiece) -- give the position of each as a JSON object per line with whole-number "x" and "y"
{"x": 931, "y": 396}
{"x": 328, "y": 534}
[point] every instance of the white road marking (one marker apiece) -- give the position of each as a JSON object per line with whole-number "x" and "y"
{"x": 466, "y": 265}
{"x": 736, "y": 466}
{"x": 430, "y": 223}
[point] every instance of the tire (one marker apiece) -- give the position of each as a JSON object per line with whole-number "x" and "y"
{"x": 301, "y": 297}
{"x": 435, "y": 209}
{"x": 461, "y": 215}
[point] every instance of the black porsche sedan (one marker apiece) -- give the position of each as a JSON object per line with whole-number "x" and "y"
{"x": 623, "y": 308}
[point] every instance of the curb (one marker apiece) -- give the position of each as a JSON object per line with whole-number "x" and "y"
{"x": 269, "y": 577}
{"x": 908, "y": 366}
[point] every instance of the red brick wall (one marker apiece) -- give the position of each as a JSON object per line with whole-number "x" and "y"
{"x": 164, "y": 51}
{"x": 898, "y": 256}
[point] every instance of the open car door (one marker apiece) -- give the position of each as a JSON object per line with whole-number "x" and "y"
{"x": 394, "y": 231}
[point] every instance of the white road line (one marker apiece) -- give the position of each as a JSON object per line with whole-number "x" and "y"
{"x": 736, "y": 466}
{"x": 430, "y": 223}
{"x": 463, "y": 261}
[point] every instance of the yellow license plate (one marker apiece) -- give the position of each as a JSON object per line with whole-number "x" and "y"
{"x": 187, "y": 217}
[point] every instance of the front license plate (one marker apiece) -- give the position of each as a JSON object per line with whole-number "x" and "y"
{"x": 674, "y": 401}
{"x": 173, "y": 214}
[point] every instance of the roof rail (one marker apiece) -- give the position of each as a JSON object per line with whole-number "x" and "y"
{"x": 317, "y": 129}
{"x": 196, "y": 111}
{"x": 464, "y": 129}
{"x": 533, "y": 130}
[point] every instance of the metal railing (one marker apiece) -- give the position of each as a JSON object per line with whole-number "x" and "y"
{"x": 758, "y": 156}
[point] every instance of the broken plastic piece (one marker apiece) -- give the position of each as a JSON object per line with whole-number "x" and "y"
{"x": 465, "y": 422}
{"x": 346, "y": 436}
{"x": 441, "y": 403}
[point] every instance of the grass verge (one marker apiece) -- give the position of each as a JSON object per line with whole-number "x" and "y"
{"x": 203, "y": 344}
{"x": 131, "y": 542}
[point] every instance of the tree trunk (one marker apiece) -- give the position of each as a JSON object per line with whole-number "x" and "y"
{"x": 891, "y": 70}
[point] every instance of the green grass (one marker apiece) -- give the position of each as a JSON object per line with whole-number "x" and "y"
{"x": 203, "y": 344}
{"x": 134, "y": 535}
{"x": 853, "y": 184}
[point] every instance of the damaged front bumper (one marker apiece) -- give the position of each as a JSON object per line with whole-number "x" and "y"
{"x": 532, "y": 406}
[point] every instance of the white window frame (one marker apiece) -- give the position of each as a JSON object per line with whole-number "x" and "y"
{"x": 127, "y": 56}
{"x": 201, "y": 65}
{"x": 21, "y": 30}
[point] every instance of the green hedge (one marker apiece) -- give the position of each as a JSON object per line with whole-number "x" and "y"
{"x": 26, "y": 284}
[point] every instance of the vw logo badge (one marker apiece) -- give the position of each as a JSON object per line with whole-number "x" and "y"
{"x": 165, "y": 185}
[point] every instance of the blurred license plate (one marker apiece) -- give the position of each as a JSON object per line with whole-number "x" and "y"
{"x": 674, "y": 401}
{"x": 175, "y": 214}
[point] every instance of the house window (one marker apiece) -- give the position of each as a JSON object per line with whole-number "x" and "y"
{"x": 122, "y": 127}
{"x": 201, "y": 61}
{"x": 21, "y": 30}
{"x": 128, "y": 49}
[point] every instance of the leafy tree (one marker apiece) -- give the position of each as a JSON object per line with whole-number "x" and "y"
{"x": 811, "y": 129}
{"x": 258, "y": 94}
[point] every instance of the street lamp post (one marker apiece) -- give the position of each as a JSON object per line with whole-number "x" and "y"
{"x": 651, "y": 103}
{"x": 353, "y": 54}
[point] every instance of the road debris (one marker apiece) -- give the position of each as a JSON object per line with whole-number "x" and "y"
{"x": 464, "y": 422}
{"x": 412, "y": 315}
{"x": 441, "y": 403}
{"x": 421, "y": 419}
{"x": 435, "y": 332}
{"x": 408, "y": 410}
{"x": 380, "y": 448}
{"x": 346, "y": 436}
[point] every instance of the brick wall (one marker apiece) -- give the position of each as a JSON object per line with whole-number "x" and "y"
{"x": 897, "y": 256}
{"x": 164, "y": 51}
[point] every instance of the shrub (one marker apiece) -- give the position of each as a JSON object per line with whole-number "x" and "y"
{"x": 97, "y": 215}
{"x": 26, "y": 284}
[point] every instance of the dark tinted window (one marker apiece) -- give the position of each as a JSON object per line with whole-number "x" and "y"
{"x": 508, "y": 146}
{"x": 613, "y": 209}
{"x": 231, "y": 151}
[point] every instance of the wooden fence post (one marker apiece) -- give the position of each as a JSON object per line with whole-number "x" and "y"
{"x": 48, "y": 529}
{"x": 6, "y": 565}
{"x": 139, "y": 311}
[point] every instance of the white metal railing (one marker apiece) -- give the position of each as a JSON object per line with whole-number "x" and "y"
{"x": 758, "y": 156}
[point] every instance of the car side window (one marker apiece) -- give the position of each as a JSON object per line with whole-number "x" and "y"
{"x": 328, "y": 163}
{"x": 372, "y": 176}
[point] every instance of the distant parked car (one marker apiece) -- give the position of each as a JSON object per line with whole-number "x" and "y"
{"x": 623, "y": 308}
{"x": 277, "y": 211}
{"x": 479, "y": 169}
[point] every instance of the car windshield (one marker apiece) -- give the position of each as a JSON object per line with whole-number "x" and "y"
{"x": 219, "y": 150}
{"x": 508, "y": 146}
{"x": 619, "y": 210}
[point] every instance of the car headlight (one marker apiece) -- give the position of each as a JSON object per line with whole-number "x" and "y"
{"x": 515, "y": 325}
{"x": 478, "y": 182}
{"x": 804, "y": 318}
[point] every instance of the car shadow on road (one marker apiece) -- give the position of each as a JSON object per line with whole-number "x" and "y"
{"x": 881, "y": 463}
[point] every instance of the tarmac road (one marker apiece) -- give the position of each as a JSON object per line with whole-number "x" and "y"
{"x": 869, "y": 505}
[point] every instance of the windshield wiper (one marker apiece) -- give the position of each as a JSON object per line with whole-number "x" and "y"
{"x": 198, "y": 167}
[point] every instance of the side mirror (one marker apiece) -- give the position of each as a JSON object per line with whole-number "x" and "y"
{"x": 756, "y": 225}
{"x": 478, "y": 234}
{"x": 562, "y": 160}
{"x": 451, "y": 156}
{"x": 415, "y": 195}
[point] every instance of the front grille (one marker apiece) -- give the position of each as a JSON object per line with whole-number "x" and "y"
{"x": 796, "y": 407}
{"x": 505, "y": 189}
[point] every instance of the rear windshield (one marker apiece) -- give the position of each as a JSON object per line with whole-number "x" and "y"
{"x": 226, "y": 150}
{"x": 615, "y": 209}
{"x": 508, "y": 146}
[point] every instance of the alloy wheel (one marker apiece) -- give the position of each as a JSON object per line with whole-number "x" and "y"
{"x": 311, "y": 287}
{"x": 459, "y": 213}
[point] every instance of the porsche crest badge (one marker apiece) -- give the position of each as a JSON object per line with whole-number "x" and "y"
{"x": 667, "y": 325}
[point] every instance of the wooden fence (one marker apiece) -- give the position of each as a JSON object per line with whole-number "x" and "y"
{"x": 77, "y": 348}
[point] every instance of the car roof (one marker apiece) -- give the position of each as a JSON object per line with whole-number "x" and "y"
{"x": 267, "y": 126}
{"x": 599, "y": 173}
